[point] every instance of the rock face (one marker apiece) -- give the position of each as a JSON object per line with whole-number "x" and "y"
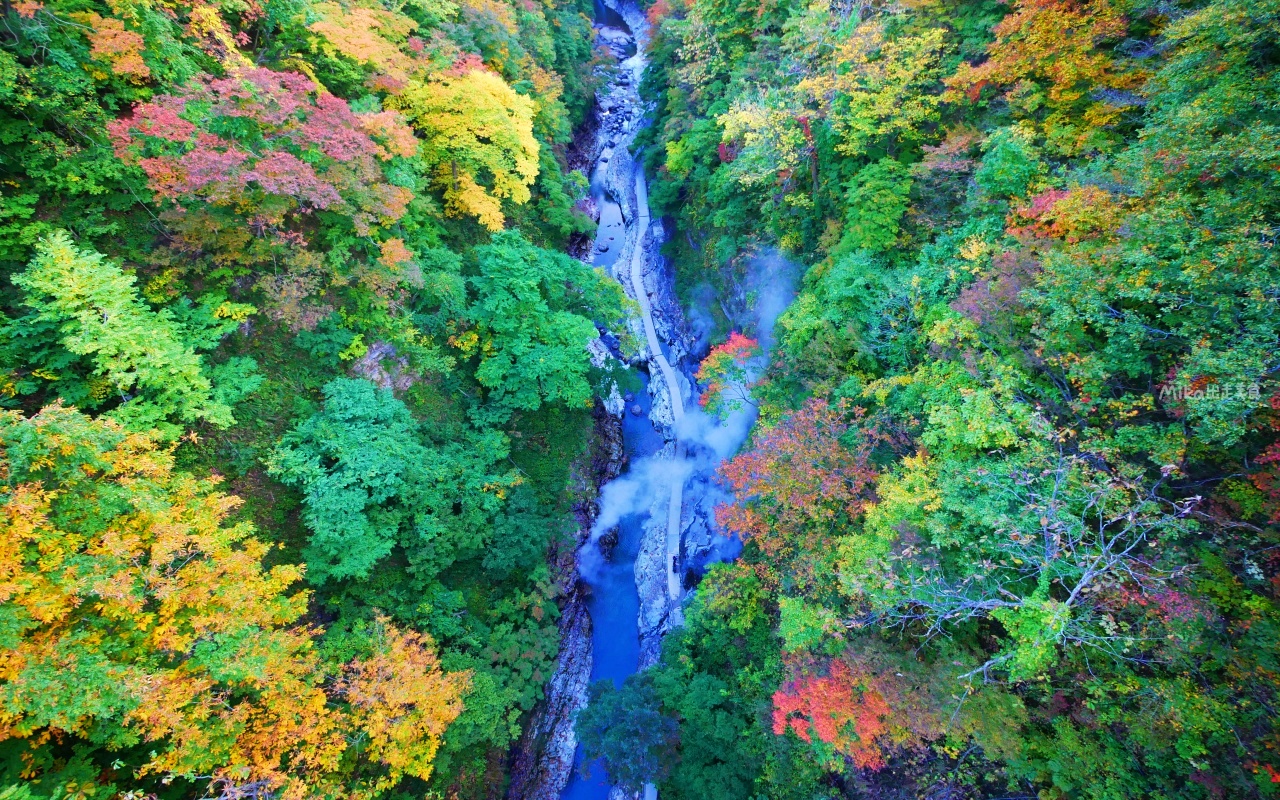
{"x": 699, "y": 539}
{"x": 382, "y": 365}
{"x": 543, "y": 759}
{"x": 651, "y": 583}
{"x": 601, "y": 358}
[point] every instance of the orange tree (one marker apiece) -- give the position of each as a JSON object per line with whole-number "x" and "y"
{"x": 144, "y": 641}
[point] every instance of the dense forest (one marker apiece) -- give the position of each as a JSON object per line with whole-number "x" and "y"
{"x": 295, "y": 381}
{"x": 1010, "y": 515}
{"x": 293, "y": 367}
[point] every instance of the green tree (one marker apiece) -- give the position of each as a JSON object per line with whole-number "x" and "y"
{"x": 627, "y": 728}
{"x": 877, "y": 199}
{"x": 146, "y": 359}
{"x": 372, "y": 483}
{"x": 1011, "y": 164}
{"x": 533, "y": 312}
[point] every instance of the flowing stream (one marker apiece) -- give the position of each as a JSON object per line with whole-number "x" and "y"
{"x": 661, "y": 508}
{"x": 614, "y": 603}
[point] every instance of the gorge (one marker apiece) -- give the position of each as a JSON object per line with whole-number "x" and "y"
{"x": 641, "y": 547}
{"x": 381, "y": 382}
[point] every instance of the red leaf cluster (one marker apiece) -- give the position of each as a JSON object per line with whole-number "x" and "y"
{"x": 799, "y": 476}
{"x": 841, "y": 709}
{"x": 727, "y": 363}
{"x": 266, "y": 144}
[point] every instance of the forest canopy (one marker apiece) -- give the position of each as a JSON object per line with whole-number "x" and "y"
{"x": 1010, "y": 513}
{"x": 289, "y": 347}
{"x": 297, "y": 390}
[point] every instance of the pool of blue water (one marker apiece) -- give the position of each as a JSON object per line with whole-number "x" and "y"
{"x": 614, "y": 603}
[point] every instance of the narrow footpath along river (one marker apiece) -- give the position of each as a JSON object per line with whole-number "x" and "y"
{"x": 614, "y": 603}
{"x": 661, "y": 508}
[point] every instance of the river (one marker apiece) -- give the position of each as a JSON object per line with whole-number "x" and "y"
{"x": 665, "y": 533}
{"x": 614, "y": 602}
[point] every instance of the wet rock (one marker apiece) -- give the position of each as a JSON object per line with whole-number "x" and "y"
{"x": 608, "y": 458}
{"x": 544, "y": 757}
{"x": 655, "y": 617}
{"x": 613, "y": 402}
{"x": 696, "y": 534}
{"x": 637, "y": 410}
{"x": 660, "y": 412}
{"x": 602, "y": 358}
{"x": 589, "y": 207}
{"x": 613, "y": 37}
{"x": 608, "y": 541}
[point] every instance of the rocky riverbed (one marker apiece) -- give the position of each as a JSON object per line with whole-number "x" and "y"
{"x": 543, "y": 761}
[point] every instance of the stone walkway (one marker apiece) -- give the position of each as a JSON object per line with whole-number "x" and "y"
{"x": 668, "y": 375}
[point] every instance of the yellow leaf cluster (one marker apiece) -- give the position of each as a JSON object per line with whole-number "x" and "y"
{"x": 111, "y": 43}
{"x": 493, "y": 11}
{"x": 478, "y": 141}
{"x": 402, "y": 701}
{"x": 368, "y": 36}
{"x": 207, "y": 27}
{"x": 144, "y": 612}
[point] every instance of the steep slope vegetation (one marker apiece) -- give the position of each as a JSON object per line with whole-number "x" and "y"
{"x": 1010, "y": 517}
{"x": 294, "y": 373}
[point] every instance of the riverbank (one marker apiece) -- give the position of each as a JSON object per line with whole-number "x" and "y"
{"x": 608, "y": 589}
{"x": 544, "y": 758}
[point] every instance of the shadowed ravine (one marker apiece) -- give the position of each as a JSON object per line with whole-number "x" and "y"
{"x": 654, "y": 533}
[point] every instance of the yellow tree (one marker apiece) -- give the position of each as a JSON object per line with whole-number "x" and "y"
{"x": 401, "y": 703}
{"x": 872, "y": 87}
{"x": 1049, "y": 57}
{"x": 133, "y": 613}
{"x": 479, "y": 147}
{"x": 369, "y": 36}
{"x": 478, "y": 139}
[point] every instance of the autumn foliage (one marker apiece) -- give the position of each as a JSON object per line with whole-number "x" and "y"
{"x": 117, "y": 47}
{"x": 839, "y": 708}
{"x": 269, "y": 148}
{"x": 401, "y": 700}
{"x": 210, "y": 212}
{"x": 1046, "y": 54}
{"x": 1266, "y": 478}
{"x": 478, "y": 140}
{"x": 1038, "y": 241}
{"x": 799, "y": 477}
{"x": 727, "y": 371}
{"x": 150, "y": 619}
